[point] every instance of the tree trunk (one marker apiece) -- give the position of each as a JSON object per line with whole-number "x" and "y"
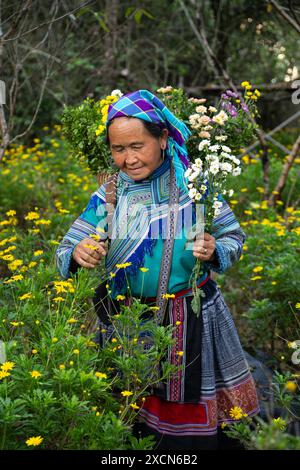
{"x": 285, "y": 172}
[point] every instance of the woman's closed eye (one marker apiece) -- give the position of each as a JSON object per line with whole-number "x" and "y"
{"x": 133, "y": 147}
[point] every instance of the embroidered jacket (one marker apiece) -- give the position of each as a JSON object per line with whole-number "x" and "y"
{"x": 139, "y": 227}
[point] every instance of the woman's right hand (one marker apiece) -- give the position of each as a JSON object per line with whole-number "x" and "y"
{"x": 87, "y": 256}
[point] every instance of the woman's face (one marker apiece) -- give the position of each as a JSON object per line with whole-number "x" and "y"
{"x": 134, "y": 150}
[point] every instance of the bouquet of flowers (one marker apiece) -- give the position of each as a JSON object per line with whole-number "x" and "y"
{"x": 218, "y": 133}
{"x": 84, "y": 129}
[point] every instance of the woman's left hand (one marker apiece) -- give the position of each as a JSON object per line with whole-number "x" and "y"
{"x": 204, "y": 247}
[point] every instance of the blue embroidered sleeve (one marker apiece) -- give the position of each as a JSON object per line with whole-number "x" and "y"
{"x": 229, "y": 240}
{"x": 92, "y": 221}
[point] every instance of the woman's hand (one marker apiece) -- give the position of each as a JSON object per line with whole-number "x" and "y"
{"x": 88, "y": 253}
{"x": 208, "y": 243}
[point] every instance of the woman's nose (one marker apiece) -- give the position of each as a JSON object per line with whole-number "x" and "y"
{"x": 130, "y": 157}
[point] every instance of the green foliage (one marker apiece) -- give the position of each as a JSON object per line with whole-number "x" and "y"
{"x": 80, "y": 124}
{"x": 56, "y": 383}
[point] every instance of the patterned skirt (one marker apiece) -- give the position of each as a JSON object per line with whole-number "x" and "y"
{"x": 188, "y": 409}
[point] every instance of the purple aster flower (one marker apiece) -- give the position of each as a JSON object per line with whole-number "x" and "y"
{"x": 232, "y": 111}
{"x": 232, "y": 94}
{"x": 230, "y": 108}
{"x": 245, "y": 107}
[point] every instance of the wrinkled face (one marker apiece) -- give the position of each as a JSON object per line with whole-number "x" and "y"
{"x": 134, "y": 150}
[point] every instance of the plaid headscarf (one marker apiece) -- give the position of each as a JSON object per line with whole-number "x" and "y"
{"x": 142, "y": 104}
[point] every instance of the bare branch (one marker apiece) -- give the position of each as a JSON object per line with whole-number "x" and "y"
{"x": 284, "y": 15}
{"x": 89, "y": 2}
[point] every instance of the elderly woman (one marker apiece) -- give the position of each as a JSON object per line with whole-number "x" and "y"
{"x": 147, "y": 143}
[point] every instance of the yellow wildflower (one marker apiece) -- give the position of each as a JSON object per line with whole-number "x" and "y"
{"x": 290, "y": 386}
{"x": 32, "y": 264}
{"x": 58, "y": 299}
{"x": 8, "y": 257}
{"x": 72, "y": 320}
{"x": 100, "y": 375}
{"x": 6, "y": 366}
{"x": 34, "y": 441}
{"x": 35, "y": 374}
{"x": 126, "y": 393}
{"x": 134, "y": 406}
{"x": 43, "y": 222}
{"x": 123, "y": 265}
{"x": 255, "y": 278}
{"x": 257, "y": 269}
{"x": 91, "y": 247}
{"x": 4, "y": 374}
{"x": 280, "y": 423}
{"x": 120, "y": 297}
{"x": 10, "y": 213}
{"x": 32, "y": 216}
{"x": 236, "y": 413}
{"x": 25, "y": 296}
{"x": 76, "y": 351}
{"x": 292, "y": 344}
{"x": 62, "y": 366}
{"x": 38, "y": 252}
{"x": 34, "y": 351}
{"x": 54, "y": 340}
{"x": 17, "y": 277}
{"x": 169, "y": 296}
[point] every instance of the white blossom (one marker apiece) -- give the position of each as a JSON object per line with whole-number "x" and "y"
{"x": 203, "y": 143}
{"x": 117, "y": 92}
{"x": 198, "y": 163}
{"x": 192, "y": 193}
{"x": 226, "y": 167}
{"x": 197, "y": 100}
{"x": 194, "y": 175}
{"x": 204, "y": 135}
{"x": 204, "y": 120}
{"x": 214, "y": 148}
{"x": 201, "y": 109}
{"x": 236, "y": 171}
{"x": 214, "y": 168}
{"x": 166, "y": 89}
{"x": 217, "y": 204}
{"x": 220, "y": 118}
{"x": 226, "y": 149}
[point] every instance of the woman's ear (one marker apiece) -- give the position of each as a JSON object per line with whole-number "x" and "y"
{"x": 164, "y": 137}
